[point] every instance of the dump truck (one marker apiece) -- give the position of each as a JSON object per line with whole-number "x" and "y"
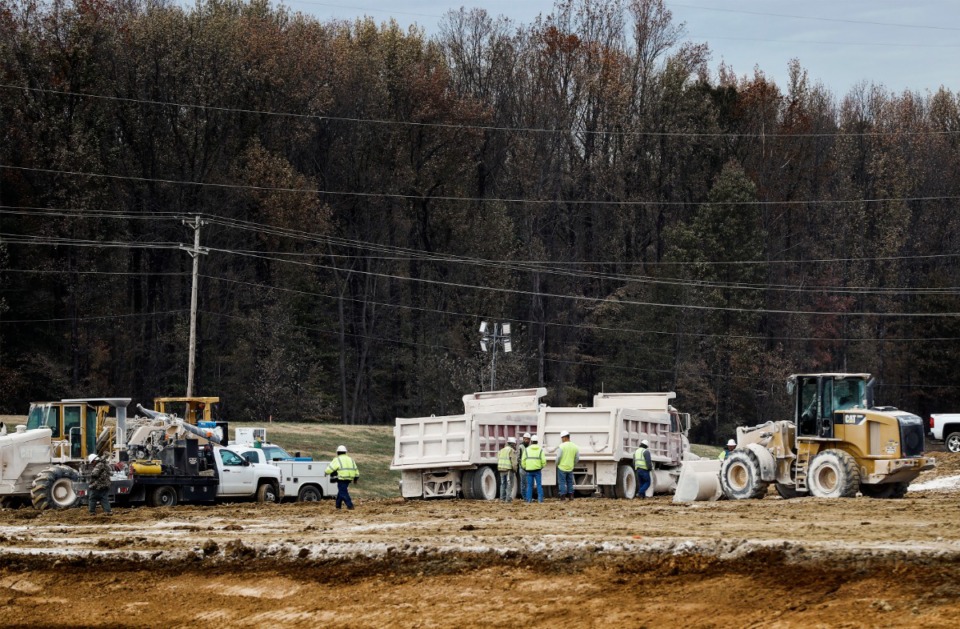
{"x": 456, "y": 455}
{"x": 837, "y": 444}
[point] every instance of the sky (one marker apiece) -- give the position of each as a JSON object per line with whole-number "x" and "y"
{"x": 900, "y": 44}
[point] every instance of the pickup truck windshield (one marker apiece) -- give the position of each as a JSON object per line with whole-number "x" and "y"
{"x": 273, "y": 453}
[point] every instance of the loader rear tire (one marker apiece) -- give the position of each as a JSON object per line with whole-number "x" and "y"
{"x": 53, "y": 488}
{"x": 833, "y": 474}
{"x": 485, "y": 482}
{"x": 626, "y": 487}
{"x": 163, "y": 496}
{"x": 788, "y": 491}
{"x": 740, "y": 476}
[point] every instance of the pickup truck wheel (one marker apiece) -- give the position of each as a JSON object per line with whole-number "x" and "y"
{"x": 310, "y": 494}
{"x": 163, "y": 496}
{"x": 953, "y": 442}
{"x": 834, "y": 474}
{"x": 266, "y": 493}
{"x": 53, "y": 488}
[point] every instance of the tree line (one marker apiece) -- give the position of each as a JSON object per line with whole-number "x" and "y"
{"x": 370, "y": 194}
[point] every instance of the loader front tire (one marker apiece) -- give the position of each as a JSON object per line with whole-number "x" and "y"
{"x": 740, "y": 476}
{"x": 53, "y": 488}
{"x": 833, "y": 474}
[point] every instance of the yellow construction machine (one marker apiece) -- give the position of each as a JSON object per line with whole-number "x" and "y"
{"x": 192, "y": 409}
{"x": 838, "y": 444}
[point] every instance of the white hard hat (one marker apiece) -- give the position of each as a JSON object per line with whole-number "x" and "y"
{"x": 535, "y": 438}
{"x": 93, "y": 457}
{"x": 564, "y": 434}
{"x": 644, "y": 442}
{"x": 731, "y": 442}
{"x": 341, "y": 449}
{"x": 511, "y": 439}
{"x": 526, "y": 435}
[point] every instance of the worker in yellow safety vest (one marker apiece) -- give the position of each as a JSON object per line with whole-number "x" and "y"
{"x": 643, "y": 463}
{"x": 506, "y": 462}
{"x": 345, "y": 471}
{"x": 533, "y": 461}
{"x": 522, "y": 473}
{"x": 731, "y": 446}
{"x": 568, "y": 455}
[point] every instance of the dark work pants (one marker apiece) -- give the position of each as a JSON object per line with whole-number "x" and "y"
{"x": 101, "y": 496}
{"x": 343, "y": 496}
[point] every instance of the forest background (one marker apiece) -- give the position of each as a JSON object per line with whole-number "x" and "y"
{"x": 370, "y": 194}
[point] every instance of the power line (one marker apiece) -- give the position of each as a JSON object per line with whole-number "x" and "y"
{"x": 826, "y": 43}
{"x": 579, "y": 326}
{"x": 769, "y": 137}
{"x": 94, "y": 318}
{"x": 812, "y": 18}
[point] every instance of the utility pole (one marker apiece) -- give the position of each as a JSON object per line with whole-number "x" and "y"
{"x": 492, "y": 336}
{"x": 195, "y": 253}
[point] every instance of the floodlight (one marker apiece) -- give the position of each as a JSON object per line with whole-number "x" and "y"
{"x": 483, "y": 328}
{"x": 483, "y": 346}
{"x": 505, "y": 328}
{"x": 507, "y": 346}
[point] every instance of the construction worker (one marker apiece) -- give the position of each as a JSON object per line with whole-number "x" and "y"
{"x": 534, "y": 459}
{"x": 731, "y": 446}
{"x": 506, "y": 462}
{"x": 520, "y": 471}
{"x": 98, "y": 475}
{"x": 344, "y": 470}
{"x": 568, "y": 455}
{"x": 643, "y": 463}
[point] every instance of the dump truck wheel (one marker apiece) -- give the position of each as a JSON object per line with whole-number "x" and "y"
{"x": 466, "y": 485}
{"x": 787, "y": 491}
{"x": 952, "y": 442}
{"x": 834, "y": 474}
{"x": 626, "y": 487}
{"x": 53, "y": 488}
{"x": 310, "y": 494}
{"x": 485, "y": 483}
{"x": 163, "y": 496}
{"x": 608, "y": 491}
{"x": 740, "y": 476}
{"x": 266, "y": 493}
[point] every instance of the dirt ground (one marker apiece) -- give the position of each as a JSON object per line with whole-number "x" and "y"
{"x": 593, "y": 562}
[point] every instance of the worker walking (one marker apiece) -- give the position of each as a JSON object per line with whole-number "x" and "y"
{"x": 520, "y": 471}
{"x": 506, "y": 462}
{"x": 731, "y": 446}
{"x": 99, "y": 483}
{"x": 643, "y": 463}
{"x": 568, "y": 455}
{"x": 345, "y": 471}
{"x": 534, "y": 459}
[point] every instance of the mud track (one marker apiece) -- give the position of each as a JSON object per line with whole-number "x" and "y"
{"x": 594, "y": 562}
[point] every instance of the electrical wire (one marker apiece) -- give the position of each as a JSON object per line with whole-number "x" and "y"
{"x": 94, "y": 318}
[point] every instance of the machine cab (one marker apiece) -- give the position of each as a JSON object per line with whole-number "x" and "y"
{"x": 76, "y": 424}
{"x": 820, "y": 398}
{"x": 192, "y": 409}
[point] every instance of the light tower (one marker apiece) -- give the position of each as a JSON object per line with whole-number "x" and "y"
{"x": 493, "y": 335}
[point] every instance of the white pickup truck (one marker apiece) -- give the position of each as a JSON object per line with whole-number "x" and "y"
{"x": 946, "y": 427}
{"x": 303, "y": 480}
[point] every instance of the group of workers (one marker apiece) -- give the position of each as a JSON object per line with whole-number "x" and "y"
{"x": 528, "y": 459}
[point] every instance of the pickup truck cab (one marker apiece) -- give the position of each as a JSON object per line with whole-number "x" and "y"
{"x": 303, "y": 478}
{"x": 946, "y": 427}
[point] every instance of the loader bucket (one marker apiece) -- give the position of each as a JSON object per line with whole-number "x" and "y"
{"x": 699, "y": 480}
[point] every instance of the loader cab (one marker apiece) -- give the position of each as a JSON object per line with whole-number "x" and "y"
{"x": 820, "y": 398}
{"x": 192, "y": 409}
{"x": 75, "y": 424}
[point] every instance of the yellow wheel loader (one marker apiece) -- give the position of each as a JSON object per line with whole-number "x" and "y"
{"x": 837, "y": 445}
